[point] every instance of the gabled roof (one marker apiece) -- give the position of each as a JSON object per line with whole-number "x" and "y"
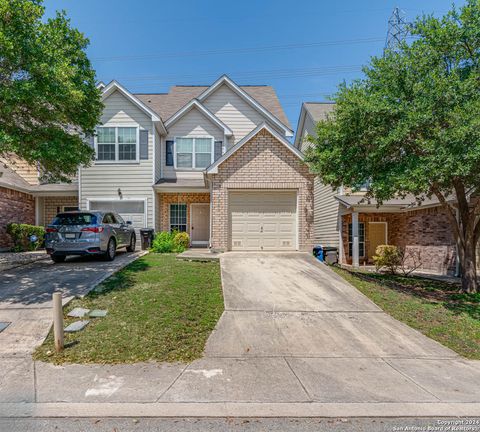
{"x": 116, "y": 86}
{"x": 317, "y": 111}
{"x": 225, "y": 80}
{"x": 213, "y": 169}
{"x": 167, "y": 104}
{"x": 11, "y": 180}
{"x": 196, "y": 104}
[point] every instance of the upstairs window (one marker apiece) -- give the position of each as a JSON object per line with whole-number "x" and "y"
{"x": 117, "y": 144}
{"x": 193, "y": 153}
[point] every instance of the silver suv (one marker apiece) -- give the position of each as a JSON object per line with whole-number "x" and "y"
{"x": 88, "y": 233}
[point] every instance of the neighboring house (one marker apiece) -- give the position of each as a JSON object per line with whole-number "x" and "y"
{"x": 356, "y": 226}
{"x": 214, "y": 161}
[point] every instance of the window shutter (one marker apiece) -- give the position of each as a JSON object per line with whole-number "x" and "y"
{"x": 218, "y": 151}
{"x": 169, "y": 153}
{"x": 143, "y": 144}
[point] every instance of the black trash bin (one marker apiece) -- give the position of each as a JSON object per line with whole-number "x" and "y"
{"x": 330, "y": 254}
{"x": 146, "y": 234}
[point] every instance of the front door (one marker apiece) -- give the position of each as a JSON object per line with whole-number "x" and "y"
{"x": 200, "y": 224}
{"x": 377, "y": 235}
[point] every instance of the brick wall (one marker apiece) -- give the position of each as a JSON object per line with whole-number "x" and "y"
{"x": 178, "y": 198}
{"x": 54, "y": 205}
{"x": 427, "y": 231}
{"x": 262, "y": 163}
{"x": 14, "y": 207}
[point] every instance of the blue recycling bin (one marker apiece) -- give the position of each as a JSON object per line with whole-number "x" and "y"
{"x": 318, "y": 253}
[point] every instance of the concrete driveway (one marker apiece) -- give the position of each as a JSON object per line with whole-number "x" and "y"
{"x": 26, "y": 296}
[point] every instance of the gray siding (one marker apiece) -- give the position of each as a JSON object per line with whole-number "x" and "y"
{"x": 237, "y": 114}
{"x": 326, "y": 207}
{"x": 192, "y": 124}
{"x": 134, "y": 179}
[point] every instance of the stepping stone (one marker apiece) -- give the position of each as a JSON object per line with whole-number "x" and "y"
{"x": 76, "y": 326}
{"x": 78, "y": 312}
{"x": 98, "y": 313}
{"x": 4, "y": 325}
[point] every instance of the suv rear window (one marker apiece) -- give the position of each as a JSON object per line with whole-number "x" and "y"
{"x": 75, "y": 219}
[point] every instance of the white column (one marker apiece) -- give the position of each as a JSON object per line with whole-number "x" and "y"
{"x": 355, "y": 244}
{"x": 340, "y": 237}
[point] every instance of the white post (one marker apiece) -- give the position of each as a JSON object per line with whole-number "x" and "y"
{"x": 58, "y": 321}
{"x": 340, "y": 237}
{"x": 355, "y": 244}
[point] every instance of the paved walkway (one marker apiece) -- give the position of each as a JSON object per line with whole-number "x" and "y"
{"x": 26, "y": 296}
{"x": 295, "y": 340}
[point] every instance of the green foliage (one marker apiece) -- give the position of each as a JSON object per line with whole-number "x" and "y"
{"x": 168, "y": 242}
{"x": 181, "y": 241}
{"x": 387, "y": 256}
{"x": 47, "y": 89}
{"x": 412, "y": 125}
{"x": 21, "y": 236}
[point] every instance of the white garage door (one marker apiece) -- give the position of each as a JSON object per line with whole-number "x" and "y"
{"x": 133, "y": 211}
{"x": 263, "y": 220}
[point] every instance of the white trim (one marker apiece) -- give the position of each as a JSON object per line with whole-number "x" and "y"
{"x": 154, "y": 177}
{"x": 117, "y": 161}
{"x": 195, "y": 103}
{"x": 169, "y": 224}
{"x": 199, "y": 242}
{"x": 213, "y": 169}
{"x": 194, "y": 138}
{"x": 145, "y": 207}
{"x": 224, "y": 79}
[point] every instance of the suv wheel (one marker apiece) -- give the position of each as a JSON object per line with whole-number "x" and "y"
{"x": 131, "y": 246}
{"x": 111, "y": 249}
{"x": 58, "y": 258}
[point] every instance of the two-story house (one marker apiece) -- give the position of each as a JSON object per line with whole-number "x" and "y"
{"x": 214, "y": 161}
{"x": 357, "y": 226}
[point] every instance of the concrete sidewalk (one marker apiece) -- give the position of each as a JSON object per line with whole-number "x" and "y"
{"x": 309, "y": 346}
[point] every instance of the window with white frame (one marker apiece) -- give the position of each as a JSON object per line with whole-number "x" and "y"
{"x": 361, "y": 239}
{"x": 178, "y": 217}
{"x": 117, "y": 144}
{"x": 193, "y": 153}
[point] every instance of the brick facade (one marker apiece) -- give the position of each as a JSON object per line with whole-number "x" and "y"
{"x": 425, "y": 230}
{"x": 14, "y": 207}
{"x": 54, "y": 205}
{"x": 166, "y": 199}
{"x": 262, "y": 163}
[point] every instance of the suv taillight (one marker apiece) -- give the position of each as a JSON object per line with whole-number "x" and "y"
{"x": 93, "y": 229}
{"x": 51, "y": 230}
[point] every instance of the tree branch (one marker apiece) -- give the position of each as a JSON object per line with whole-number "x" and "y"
{"x": 451, "y": 214}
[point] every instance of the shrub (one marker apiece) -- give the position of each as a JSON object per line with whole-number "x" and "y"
{"x": 181, "y": 241}
{"x": 387, "y": 256}
{"x": 394, "y": 258}
{"x": 168, "y": 242}
{"x": 163, "y": 242}
{"x": 23, "y": 234}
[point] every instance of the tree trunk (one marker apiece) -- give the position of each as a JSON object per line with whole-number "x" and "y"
{"x": 468, "y": 265}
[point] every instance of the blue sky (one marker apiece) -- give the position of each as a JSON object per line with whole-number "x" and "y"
{"x": 302, "y": 48}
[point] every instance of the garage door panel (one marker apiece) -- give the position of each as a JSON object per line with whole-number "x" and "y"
{"x": 263, "y": 220}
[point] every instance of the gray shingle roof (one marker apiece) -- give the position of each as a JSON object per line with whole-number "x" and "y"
{"x": 403, "y": 203}
{"x": 319, "y": 110}
{"x": 167, "y": 104}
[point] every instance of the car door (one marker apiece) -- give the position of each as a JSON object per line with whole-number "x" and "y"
{"x": 109, "y": 220}
{"x": 124, "y": 229}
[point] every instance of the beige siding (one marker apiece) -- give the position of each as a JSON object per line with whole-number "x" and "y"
{"x": 134, "y": 179}
{"x": 158, "y": 156}
{"x": 232, "y": 110}
{"x": 192, "y": 124}
{"x": 22, "y": 168}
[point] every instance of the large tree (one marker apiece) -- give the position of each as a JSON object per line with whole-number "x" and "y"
{"x": 48, "y": 96}
{"x": 412, "y": 126}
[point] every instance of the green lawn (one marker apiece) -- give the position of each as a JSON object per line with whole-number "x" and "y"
{"x": 159, "y": 308}
{"x": 434, "y": 308}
